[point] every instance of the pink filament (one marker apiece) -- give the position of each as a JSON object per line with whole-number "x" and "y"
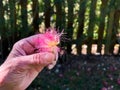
{"x": 48, "y": 41}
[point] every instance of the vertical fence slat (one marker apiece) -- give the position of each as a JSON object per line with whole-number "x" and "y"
{"x": 92, "y": 18}
{"x": 114, "y": 31}
{"x": 70, "y": 18}
{"x": 13, "y": 28}
{"x": 81, "y": 20}
{"x": 58, "y": 5}
{"x": 109, "y": 30}
{"x": 1, "y": 27}
{"x": 4, "y": 43}
{"x": 47, "y": 10}
{"x": 24, "y": 18}
{"x": 35, "y": 13}
{"x": 101, "y": 26}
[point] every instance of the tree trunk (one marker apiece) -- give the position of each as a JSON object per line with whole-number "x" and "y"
{"x": 91, "y": 25}
{"x": 82, "y": 10}
{"x": 70, "y": 23}
{"x": 35, "y": 13}
{"x": 102, "y": 24}
{"x": 47, "y": 12}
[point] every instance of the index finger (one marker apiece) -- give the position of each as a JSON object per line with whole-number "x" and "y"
{"x": 29, "y": 44}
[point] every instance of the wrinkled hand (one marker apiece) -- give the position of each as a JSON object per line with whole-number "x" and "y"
{"x": 23, "y": 64}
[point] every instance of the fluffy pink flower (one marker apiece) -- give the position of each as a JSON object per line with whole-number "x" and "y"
{"x": 49, "y": 41}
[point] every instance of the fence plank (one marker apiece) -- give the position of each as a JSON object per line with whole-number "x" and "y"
{"x": 24, "y": 18}
{"x": 4, "y": 42}
{"x": 102, "y": 25}
{"x": 81, "y": 20}
{"x": 35, "y": 13}
{"x": 92, "y": 18}
{"x": 109, "y": 30}
{"x": 70, "y": 23}
{"x": 47, "y": 11}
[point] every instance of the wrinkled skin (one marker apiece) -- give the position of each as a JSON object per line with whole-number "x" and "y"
{"x": 23, "y": 64}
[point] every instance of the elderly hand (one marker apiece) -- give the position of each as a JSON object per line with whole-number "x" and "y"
{"x": 23, "y": 64}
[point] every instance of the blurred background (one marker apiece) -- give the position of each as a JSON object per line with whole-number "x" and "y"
{"x": 92, "y": 28}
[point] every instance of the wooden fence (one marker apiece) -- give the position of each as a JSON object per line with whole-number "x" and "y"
{"x": 84, "y": 22}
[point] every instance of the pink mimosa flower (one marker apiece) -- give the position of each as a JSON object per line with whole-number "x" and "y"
{"x": 48, "y": 41}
